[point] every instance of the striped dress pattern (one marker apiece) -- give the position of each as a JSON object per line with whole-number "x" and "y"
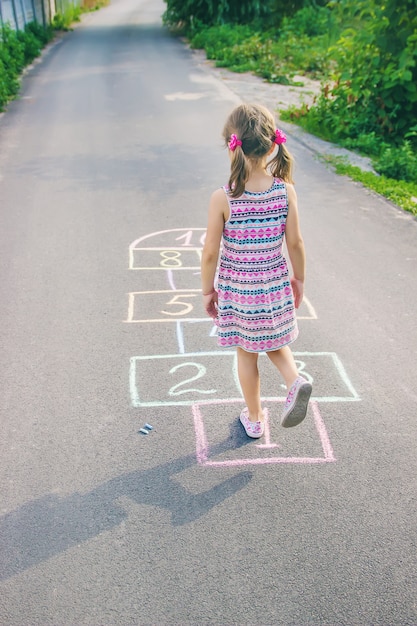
{"x": 255, "y": 300}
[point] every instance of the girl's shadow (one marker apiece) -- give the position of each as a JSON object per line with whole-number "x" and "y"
{"x": 49, "y": 525}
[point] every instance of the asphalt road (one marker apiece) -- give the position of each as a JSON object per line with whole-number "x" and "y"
{"x": 107, "y": 162}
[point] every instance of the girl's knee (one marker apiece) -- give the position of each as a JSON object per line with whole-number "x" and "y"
{"x": 243, "y": 355}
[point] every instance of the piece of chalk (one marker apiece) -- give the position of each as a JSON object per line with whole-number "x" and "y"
{"x": 143, "y": 431}
{"x": 148, "y": 426}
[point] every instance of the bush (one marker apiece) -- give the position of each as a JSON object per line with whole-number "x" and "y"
{"x": 32, "y": 45}
{"x": 18, "y": 49}
{"x": 209, "y": 12}
{"x": 12, "y": 61}
{"x": 373, "y": 89}
{"x": 399, "y": 163}
{"x": 63, "y": 21}
{"x": 12, "y": 51}
{"x": 269, "y": 54}
{"x": 217, "y": 41}
{"x": 311, "y": 21}
{"x": 43, "y": 34}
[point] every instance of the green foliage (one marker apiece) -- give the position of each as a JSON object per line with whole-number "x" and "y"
{"x": 280, "y": 9}
{"x": 398, "y": 162}
{"x": 63, "y": 20}
{"x": 44, "y": 34}
{"x": 311, "y": 21}
{"x": 12, "y": 61}
{"x": 32, "y": 45}
{"x": 364, "y": 51}
{"x": 274, "y": 56}
{"x": 369, "y": 102}
{"x": 186, "y": 13}
{"x": 373, "y": 89}
{"x": 217, "y": 41}
{"x": 18, "y": 49}
{"x": 12, "y": 51}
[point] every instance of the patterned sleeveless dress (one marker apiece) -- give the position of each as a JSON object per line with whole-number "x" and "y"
{"x": 255, "y": 299}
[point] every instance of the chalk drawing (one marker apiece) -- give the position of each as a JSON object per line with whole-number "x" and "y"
{"x": 166, "y": 258}
{"x": 189, "y": 236}
{"x": 145, "y": 307}
{"x": 166, "y": 235}
{"x": 152, "y": 377}
{"x": 203, "y": 447}
{"x": 171, "y": 281}
{"x": 180, "y": 339}
{"x": 203, "y": 378}
{"x": 312, "y": 315}
{"x": 213, "y": 331}
{"x": 164, "y": 240}
{"x": 301, "y": 366}
{"x": 201, "y": 371}
{"x": 267, "y": 434}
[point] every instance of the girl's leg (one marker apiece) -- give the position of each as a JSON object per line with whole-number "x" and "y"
{"x": 283, "y": 360}
{"x": 247, "y": 367}
{"x": 298, "y": 389}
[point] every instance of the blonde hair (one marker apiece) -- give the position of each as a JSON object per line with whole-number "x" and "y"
{"x": 255, "y": 127}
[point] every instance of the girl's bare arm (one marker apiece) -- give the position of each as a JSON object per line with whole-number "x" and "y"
{"x": 218, "y": 213}
{"x": 295, "y": 246}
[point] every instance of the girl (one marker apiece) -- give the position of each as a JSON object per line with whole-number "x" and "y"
{"x": 254, "y": 302}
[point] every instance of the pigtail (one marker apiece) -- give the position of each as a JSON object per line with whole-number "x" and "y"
{"x": 281, "y": 165}
{"x": 239, "y": 173}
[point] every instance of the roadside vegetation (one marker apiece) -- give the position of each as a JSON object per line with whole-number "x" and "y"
{"x": 364, "y": 52}
{"x": 19, "y": 48}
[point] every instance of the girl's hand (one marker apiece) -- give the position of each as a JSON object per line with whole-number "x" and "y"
{"x": 298, "y": 291}
{"x": 210, "y": 304}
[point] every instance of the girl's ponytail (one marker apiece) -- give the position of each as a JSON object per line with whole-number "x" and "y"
{"x": 281, "y": 165}
{"x": 239, "y": 172}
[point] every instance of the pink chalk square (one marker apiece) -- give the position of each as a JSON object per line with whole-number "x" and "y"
{"x": 222, "y": 442}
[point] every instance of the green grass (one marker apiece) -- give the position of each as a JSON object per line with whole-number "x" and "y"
{"x": 401, "y": 193}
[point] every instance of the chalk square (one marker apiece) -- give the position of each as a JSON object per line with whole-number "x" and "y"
{"x": 165, "y": 305}
{"x": 182, "y": 379}
{"x": 307, "y": 444}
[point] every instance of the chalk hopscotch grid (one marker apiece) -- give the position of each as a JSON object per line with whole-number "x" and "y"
{"x": 202, "y": 448}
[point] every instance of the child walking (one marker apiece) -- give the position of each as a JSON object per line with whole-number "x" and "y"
{"x": 255, "y": 300}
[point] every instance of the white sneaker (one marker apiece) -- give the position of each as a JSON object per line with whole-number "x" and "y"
{"x": 296, "y": 404}
{"x": 253, "y": 429}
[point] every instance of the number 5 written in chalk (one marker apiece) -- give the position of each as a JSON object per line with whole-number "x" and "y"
{"x": 177, "y": 301}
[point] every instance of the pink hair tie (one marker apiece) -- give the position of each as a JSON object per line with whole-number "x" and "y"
{"x": 234, "y": 142}
{"x": 280, "y": 137}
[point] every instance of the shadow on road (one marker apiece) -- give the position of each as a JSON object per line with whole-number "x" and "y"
{"x": 50, "y": 525}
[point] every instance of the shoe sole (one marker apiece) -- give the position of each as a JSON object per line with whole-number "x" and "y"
{"x": 251, "y": 435}
{"x": 298, "y": 412}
